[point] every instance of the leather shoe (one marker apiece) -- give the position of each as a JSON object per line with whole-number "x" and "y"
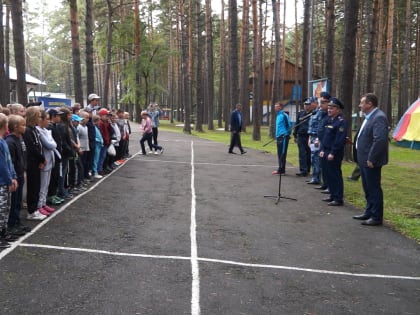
{"x": 329, "y": 199}
{"x": 371, "y": 222}
{"x": 313, "y": 182}
{"x": 325, "y": 191}
{"x": 321, "y": 188}
{"x": 335, "y": 203}
{"x": 363, "y": 216}
{"x": 301, "y": 174}
{"x": 243, "y": 152}
{"x": 231, "y": 152}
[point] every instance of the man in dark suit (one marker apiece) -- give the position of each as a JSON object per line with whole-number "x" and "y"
{"x": 235, "y": 129}
{"x": 372, "y": 154}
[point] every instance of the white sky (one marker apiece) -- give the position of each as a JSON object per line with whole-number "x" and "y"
{"x": 216, "y": 6}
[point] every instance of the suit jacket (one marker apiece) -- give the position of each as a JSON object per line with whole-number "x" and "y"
{"x": 372, "y": 144}
{"x": 235, "y": 123}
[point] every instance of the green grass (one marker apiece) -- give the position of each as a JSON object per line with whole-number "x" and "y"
{"x": 399, "y": 178}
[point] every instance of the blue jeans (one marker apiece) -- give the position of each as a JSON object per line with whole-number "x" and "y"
{"x": 316, "y": 166}
{"x": 102, "y": 157}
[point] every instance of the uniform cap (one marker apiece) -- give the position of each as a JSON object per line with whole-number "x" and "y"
{"x": 335, "y": 102}
{"x": 310, "y": 100}
{"x": 325, "y": 95}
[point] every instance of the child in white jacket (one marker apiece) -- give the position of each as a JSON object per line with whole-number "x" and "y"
{"x": 49, "y": 147}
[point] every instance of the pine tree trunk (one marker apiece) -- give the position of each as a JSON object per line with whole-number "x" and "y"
{"x": 19, "y": 49}
{"x": 386, "y": 91}
{"x": 209, "y": 67}
{"x": 90, "y": 81}
{"x": 243, "y": 65}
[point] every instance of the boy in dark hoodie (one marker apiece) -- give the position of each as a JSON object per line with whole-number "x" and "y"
{"x": 17, "y": 148}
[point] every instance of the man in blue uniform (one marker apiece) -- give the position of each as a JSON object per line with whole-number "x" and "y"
{"x": 316, "y": 132}
{"x": 301, "y": 135}
{"x": 332, "y": 151}
{"x": 283, "y": 128}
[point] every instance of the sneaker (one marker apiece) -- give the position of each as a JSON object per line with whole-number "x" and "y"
{"x": 150, "y": 152}
{"x": 156, "y": 152}
{"x": 161, "y": 151}
{"x": 16, "y": 231}
{"x": 48, "y": 209}
{"x": 44, "y": 212}
{"x": 4, "y": 244}
{"x": 36, "y": 216}
{"x": 57, "y": 199}
{"x": 97, "y": 176}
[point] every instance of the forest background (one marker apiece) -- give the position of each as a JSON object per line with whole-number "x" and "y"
{"x": 199, "y": 63}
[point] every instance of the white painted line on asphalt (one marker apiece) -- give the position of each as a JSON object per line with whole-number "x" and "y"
{"x": 6, "y": 251}
{"x": 195, "y": 287}
{"x": 221, "y": 261}
{"x": 211, "y": 164}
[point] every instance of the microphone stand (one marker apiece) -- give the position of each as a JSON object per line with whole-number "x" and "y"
{"x": 279, "y": 195}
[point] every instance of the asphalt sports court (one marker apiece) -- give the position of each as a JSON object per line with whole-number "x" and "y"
{"x": 190, "y": 232}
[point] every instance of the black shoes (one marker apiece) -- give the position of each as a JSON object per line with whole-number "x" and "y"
{"x": 329, "y": 199}
{"x": 243, "y": 152}
{"x": 335, "y": 203}
{"x": 372, "y": 222}
{"x": 363, "y": 216}
{"x": 231, "y": 152}
{"x": 313, "y": 182}
{"x": 302, "y": 174}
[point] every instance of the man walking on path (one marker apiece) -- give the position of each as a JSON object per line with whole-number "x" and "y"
{"x": 236, "y": 129}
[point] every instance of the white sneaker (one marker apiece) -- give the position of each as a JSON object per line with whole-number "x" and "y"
{"x": 97, "y": 176}
{"x": 156, "y": 152}
{"x": 150, "y": 152}
{"x": 36, "y": 216}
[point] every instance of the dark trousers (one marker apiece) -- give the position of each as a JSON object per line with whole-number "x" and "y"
{"x": 334, "y": 176}
{"x": 55, "y": 176}
{"x": 235, "y": 140}
{"x": 371, "y": 181}
{"x": 304, "y": 153}
{"x": 155, "y": 135}
{"x": 16, "y": 203}
{"x": 282, "y": 145}
{"x": 33, "y": 178}
{"x": 148, "y": 137}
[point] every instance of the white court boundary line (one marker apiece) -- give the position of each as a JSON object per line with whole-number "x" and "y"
{"x": 15, "y": 244}
{"x": 195, "y": 286}
{"x": 222, "y": 261}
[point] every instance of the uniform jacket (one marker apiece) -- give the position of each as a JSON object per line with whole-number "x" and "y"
{"x": 334, "y": 138}
{"x": 372, "y": 143}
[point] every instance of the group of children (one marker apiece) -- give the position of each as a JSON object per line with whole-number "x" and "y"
{"x": 57, "y": 152}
